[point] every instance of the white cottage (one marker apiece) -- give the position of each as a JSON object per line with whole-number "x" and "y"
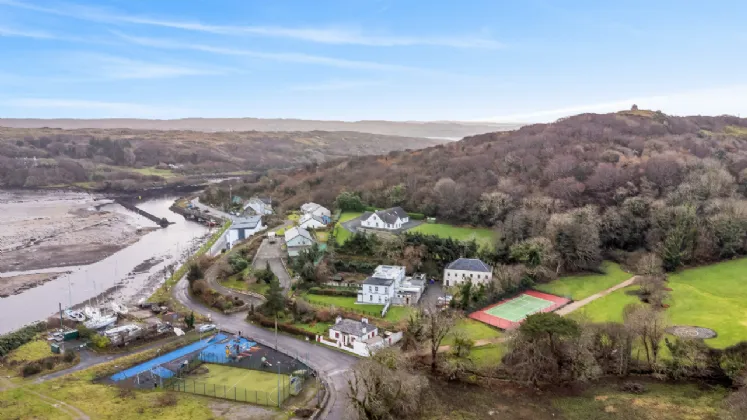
{"x": 390, "y": 219}
{"x": 311, "y": 221}
{"x": 296, "y": 240}
{"x": 462, "y": 270}
{"x": 243, "y": 228}
{"x": 260, "y": 205}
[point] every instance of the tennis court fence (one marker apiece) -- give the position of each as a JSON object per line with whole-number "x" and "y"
{"x": 272, "y": 398}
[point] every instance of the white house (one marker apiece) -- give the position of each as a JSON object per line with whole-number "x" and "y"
{"x": 391, "y": 219}
{"x": 311, "y": 221}
{"x": 260, "y": 205}
{"x": 316, "y": 210}
{"x": 243, "y": 228}
{"x": 297, "y": 239}
{"x": 357, "y": 337}
{"x": 467, "y": 269}
{"x": 382, "y": 286}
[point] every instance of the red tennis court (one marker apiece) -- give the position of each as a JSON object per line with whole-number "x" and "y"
{"x": 509, "y": 313}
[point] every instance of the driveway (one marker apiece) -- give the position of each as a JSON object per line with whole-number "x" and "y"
{"x": 332, "y": 365}
{"x": 430, "y": 297}
{"x": 272, "y": 253}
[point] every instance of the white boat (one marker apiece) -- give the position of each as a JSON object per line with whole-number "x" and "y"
{"x": 92, "y": 312}
{"x": 101, "y": 322}
{"x": 74, "y": 315}
{"x": 119, "y": 309}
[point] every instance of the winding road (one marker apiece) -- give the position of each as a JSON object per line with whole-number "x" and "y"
{"x": 333, "y": 366}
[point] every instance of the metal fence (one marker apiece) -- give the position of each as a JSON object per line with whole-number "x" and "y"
{"x": 272, "y": 397}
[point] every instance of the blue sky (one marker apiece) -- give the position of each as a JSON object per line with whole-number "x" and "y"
{"x": 493, "y": 60}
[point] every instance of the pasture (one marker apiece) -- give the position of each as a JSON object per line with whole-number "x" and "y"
{"x": 584, "y": 285}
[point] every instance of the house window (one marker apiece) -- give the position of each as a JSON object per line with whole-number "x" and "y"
{"x": 370, "y": 288}
{"x": 337, "y": 335}
{"x": 379, "y": 299}
{"x": 370, "y": 298}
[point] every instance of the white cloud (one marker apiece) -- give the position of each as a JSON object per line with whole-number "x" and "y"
{"x": 334, "y": 85}
{"x": 337, "y": 36}
{"x": 712, "y": 101}
{"x": 111, "y": 67}
{"x": 276, "y": 56}
{"x": 24, "y": 33}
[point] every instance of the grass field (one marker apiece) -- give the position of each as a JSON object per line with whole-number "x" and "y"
{"x": 322, "y": 237}
{"x": 342, "y": 234}
{"x": 230, "y": 377}
{"x": 712, "y": 296}
{"x": 31, "y": 351}
{"x": 294, "y": 217}
{"x": 484, "y": 237}
{"x": 163, "y": 173}
{"x": 583, "y": 286}
{"x": 608, "y": 308}
{"x": 20, "y": 404}
{"x": 474, "y": 330}
{"x": 659, "y": 402}
{"x": 395, "y": 313}
{"x": 487, "y": 356}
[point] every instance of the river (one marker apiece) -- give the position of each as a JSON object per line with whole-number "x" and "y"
{"x": 172, "y": 244}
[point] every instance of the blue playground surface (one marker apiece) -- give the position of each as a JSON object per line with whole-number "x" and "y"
{"x": 216, "y": 353}
{"x": 168, "y": 357}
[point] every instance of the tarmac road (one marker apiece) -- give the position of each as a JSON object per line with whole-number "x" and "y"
{"x": 331, "y": 365}
{"x": 272, "y": 253}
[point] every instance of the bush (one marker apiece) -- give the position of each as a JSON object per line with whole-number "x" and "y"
{"x": 84, "y": 332}
{"x": 69, "y": 356}
{"x": 324, "y": 315}
{"x": 31, "y": 369}
{"x": 633, "y": 387}
{"x": 49, "y": 363}
{"x": 333, "y": 292}
{"x": 303, "y": 413}
{"x": 364, "y": 267}
{"x": 289, "y": 328}
{"x": 416, "y": 216}
{"x": 100, "y": 341}
{"x": 166, "y": 399}
{"x": 199, "y": 287}
{"x": 16, "y": 339}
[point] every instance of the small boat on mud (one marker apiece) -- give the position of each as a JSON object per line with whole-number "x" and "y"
{"x": 101, "y": 322}
{"x": 119, "y": 309}
{"x": 74, "y": 315}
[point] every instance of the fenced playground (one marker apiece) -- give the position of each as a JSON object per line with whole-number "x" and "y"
{"x": 509, "y": 313}
{"x": 222, "y": 366}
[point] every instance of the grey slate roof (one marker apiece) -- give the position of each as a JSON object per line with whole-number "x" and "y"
{"x": 249, "y": 222}
{"x": 266, "y": 200}
{"x": 469, "y": 264}
{"x": 388, "y": 216}
{"x": 297, "y": 231}
{"x": 378, "y": 281}
{"x": 350, "y": 326}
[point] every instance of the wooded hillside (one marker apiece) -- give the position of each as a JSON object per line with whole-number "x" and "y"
{"x": 588, "y": 184}
{"x": 124, "y": 158}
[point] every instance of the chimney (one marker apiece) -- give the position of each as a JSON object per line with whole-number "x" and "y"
{"x": 364, "y": 320}
{"x": 363, "y": 331}
{"x": 338, "y": 319}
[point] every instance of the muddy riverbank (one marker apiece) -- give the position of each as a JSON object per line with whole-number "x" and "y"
{"x": 60, "y": 229}
{"x": 14, "y": 285}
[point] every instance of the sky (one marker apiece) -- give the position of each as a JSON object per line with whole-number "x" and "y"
{"x": 467, "y": 60}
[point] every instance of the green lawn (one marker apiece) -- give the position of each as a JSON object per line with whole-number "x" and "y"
{"x": 342, "y": 234}
{"x": 31, "y": 351}
{"x": 240, "y": 378}
{"x": 163, "y": 173}
{"x": 20, "y": 404}
{"x": 484, "y": 237}
{"x": 487, "y": 356}
{"x": 473, "y": 330}
{"x": 714, "y": 297}
{"x": 608, "y": 308}
{"x": 585, "y": 285}
{"x": 659, "y": 402}
{"x": 322, "y": 237}
{"x": 320, "y": 328}
{"x": 395, "y": 313}
{"x": 294, "y": 217}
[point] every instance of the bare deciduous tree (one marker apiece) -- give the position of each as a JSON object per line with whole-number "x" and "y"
{"x": 437, "y": 325}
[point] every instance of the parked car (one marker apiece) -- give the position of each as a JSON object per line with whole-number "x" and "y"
{"x": 205, "y": 328}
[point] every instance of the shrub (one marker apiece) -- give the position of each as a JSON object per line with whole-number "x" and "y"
{"x": 166, "y": 399}
{"x": 416, "y": 216}
{"x": 69, "y": 356}
{"x": 199, "y": 287}
{"x": 303, "y": 413}
{"x": 633, "y": 387}
{"x": 324, "y": 315}
{"x": 270, "y": 323}
{"x": 15, "y": 339}
{"x": 100, "y": 341}
{"x": 85, "y": 332}
{"x": 30, "y": 369}
{"x": 49, "y": 363}
{"x": 333, "y": 292}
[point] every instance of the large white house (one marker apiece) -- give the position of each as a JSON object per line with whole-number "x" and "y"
{"x": 243, "y": 228}
{"x": 462, "y": 270}
{"x": 296, "y": 240}
{"x": 382, "y": 286}
{"x": 390, "y": 219}
{"x": 311, "y": 221}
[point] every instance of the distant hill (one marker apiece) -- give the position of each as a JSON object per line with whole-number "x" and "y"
{"x": 586, "y": 159}
{"x": 132, "y": 159}
{"x": 451, "y": 130}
